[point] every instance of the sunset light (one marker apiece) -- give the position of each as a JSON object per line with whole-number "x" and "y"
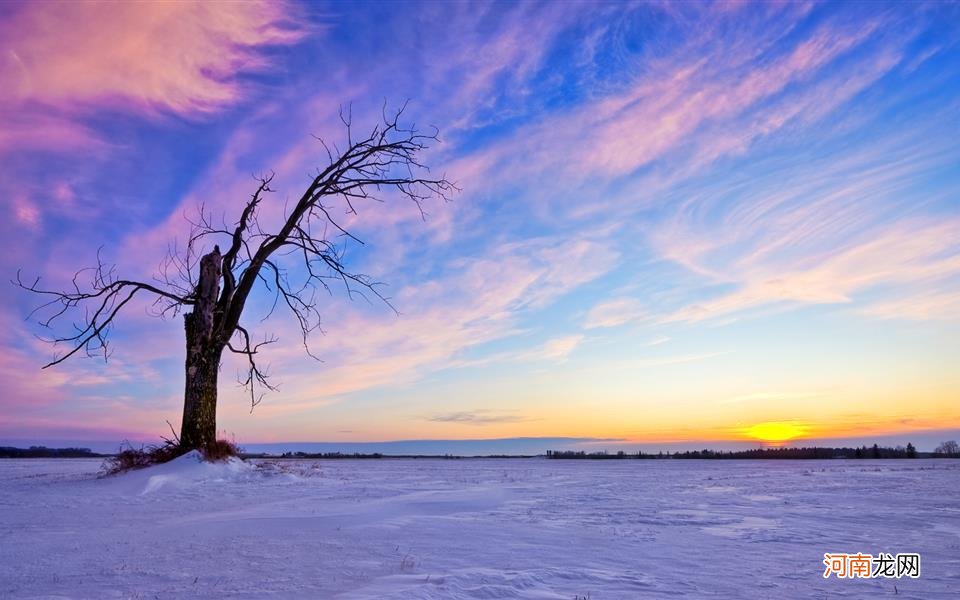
{"x": 776, "y": 431}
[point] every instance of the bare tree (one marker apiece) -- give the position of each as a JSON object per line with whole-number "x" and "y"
{"x": 212, "y": 288}
{"x": 948, "y": 448}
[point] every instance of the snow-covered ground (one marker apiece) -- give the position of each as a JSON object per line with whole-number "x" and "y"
{"x": 499, "y": 528}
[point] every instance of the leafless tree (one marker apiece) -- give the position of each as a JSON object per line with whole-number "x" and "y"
{"x": 948, "y": 448}
{"x": 212, "y": 287}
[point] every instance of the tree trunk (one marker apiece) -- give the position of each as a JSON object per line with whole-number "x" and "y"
{"x": 199, "y": 427}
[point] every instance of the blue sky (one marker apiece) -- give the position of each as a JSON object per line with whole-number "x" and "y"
{"x": 678, "y": 220}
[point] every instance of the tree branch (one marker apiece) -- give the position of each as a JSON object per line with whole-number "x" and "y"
{"x": 101, "y": 302}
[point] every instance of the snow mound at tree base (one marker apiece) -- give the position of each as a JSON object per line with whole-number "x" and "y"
{"x": 184, "y": 471}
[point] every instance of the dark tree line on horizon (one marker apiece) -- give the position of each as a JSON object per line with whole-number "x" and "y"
{"x": 945, "y": 450}
{"x": 44, "y": 452}
{"x": 949, "y": 449}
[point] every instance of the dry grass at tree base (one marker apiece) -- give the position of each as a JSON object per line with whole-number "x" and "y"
{"x": 145, "y": 456}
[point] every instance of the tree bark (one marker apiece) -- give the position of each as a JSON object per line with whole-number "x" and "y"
{"x": 199, "y": 427}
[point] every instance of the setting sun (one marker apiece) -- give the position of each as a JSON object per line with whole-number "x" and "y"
{"x": 777, "y": 431}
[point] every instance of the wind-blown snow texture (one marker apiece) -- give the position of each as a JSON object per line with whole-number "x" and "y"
{"x": 449, "y": 529}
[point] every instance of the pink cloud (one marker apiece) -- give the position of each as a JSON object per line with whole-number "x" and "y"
{"x": 26, "y": 212}
{"x": 178, "y": 56}
{"x": 53, "y": 402}
{"x": 473, "y": 69}
{"x": 908, "y": 255}
{"x": 923, "y": 304}
{"x": 613, "y": 313}
{"x": 657, "y": 116}
{"x": 26, "y": 131}
{"x": 694, "y": 96}
{"x": 555, "y": 349}
{"x": 61, "y": 58}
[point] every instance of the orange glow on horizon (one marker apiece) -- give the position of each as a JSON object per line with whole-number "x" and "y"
{"x": 777, "y": 431}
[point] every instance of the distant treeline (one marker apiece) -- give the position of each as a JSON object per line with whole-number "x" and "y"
{"x": 874, "y": 451}
{"x": 44, "y": 452}
{"x": 334, "y": 455}
{"x": 946, "y": 450}
{"x": 314, "y": 455}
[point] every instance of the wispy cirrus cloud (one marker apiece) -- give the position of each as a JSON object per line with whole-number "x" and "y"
{"x": 477, "y": 417}
{"x": 927, "y": 303}
{"x": 179, "y": 56}
{"x": 821, "y": 240}
{"x": 687, "y": 97}
{"x": 612, "y": 313}
{"x": 63, "y": 59}
{"x": 556, "y": 349}
{"x": 442, "y": 320}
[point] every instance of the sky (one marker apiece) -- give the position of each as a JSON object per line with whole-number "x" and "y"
{"x": 679, "y": 223}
